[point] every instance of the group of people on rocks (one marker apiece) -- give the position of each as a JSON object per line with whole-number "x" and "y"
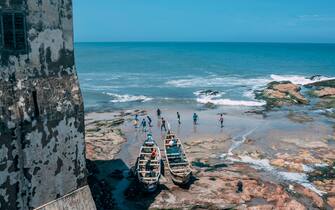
{"x": 164, "y": 125}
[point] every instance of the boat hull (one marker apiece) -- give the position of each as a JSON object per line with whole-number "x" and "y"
{"x": 181, "y": 180}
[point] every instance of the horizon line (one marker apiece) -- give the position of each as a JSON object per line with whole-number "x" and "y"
{"x": 236, "y": 42}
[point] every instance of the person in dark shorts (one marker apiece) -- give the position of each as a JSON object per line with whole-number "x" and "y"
{"x": 163, "y": 124}
{"x": 195, "y": 118}
{"x": 221, "y": 120}
{"x": 149, "y": 121}
{"x": 178, "y": 117}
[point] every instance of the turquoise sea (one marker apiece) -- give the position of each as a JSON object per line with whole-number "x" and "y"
{"x": 132, "y": 75}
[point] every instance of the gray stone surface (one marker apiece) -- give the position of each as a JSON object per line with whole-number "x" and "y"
{"x": 42, "y": 149}
{"x": 80, "y": 199}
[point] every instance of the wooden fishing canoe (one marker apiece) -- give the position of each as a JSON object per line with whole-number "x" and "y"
{"x": 149, "y": 168}
{"x": 177, "y": 161}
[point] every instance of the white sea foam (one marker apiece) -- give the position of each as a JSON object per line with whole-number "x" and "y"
{"x": 299, "y": 80}
{"x": 238, "y": 141}
{"x": 229, "y": 102}
{"x": 117, "y": 98}
{"x": 204, "y": 98}
{"x": 264, "y": 164}
{"x": 235, "y": 81}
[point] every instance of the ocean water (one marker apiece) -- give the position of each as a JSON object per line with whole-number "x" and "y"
{"x": 133, "y": 75}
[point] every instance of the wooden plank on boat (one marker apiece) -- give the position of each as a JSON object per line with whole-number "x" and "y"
{"x": 155, "y": 164}
{"x": 145, "y": 147}
{"x": 173, "y": 154}
{"x": 179, "y": 170}
{"x": 178, "y": 164}
{"x": 149, "y": 178}
{"x": 148, "y": 160}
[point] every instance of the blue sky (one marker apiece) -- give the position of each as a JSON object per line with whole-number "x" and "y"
{"x": 205, "y": 20}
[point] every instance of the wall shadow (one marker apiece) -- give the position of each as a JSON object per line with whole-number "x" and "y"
{"x": 114, "y": 186}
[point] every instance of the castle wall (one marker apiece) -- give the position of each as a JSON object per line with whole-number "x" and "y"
{"x": 42, "y": 153}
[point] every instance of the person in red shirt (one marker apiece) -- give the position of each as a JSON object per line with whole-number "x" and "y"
{"x": 153, "y": 154}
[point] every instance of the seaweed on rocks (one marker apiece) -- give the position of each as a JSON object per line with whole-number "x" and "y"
{"x": 322, "y": 173}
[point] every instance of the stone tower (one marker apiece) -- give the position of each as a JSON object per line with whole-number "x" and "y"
{"x": 42, "y": 152}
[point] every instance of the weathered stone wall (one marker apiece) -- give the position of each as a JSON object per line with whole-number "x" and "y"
{"x": 42, "y": 153}
{"x": 80, "y": 199}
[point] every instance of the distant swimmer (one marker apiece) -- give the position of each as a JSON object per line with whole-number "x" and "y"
{"x": 195, "y": 118}
{"x": 149, "y": 121}
{"x": 159, "y": 112}
{"x": 144, "y": 125}
{"x": 178, "y": 117}
{"x": 163, "y": 125}
{"x": 221, "y": 120}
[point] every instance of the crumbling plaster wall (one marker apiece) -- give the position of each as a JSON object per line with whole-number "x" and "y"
{"x": 42, "y": 153}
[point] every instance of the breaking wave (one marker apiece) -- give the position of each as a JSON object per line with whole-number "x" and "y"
{"x": 117, "y": 98}
{"x": 299, "y": 80}
{"x": 236, "y": 81}
{"x": 229, "y": 102}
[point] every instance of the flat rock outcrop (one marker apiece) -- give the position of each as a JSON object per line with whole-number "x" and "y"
{"x": 278, "y": 94}
{"x": 103, "y": 139}
{"x": 324, "y": 92}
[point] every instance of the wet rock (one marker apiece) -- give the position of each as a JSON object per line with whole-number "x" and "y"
{"x": 299, "y": 117}
{"x": 325, "y": 103}
{"x": 324, "y": 92}
{"x": 290, "y": 166}
{"x": 209, "y": 105}
{"x": 103, "y": 139}
{"x": 278, "y": 94}
{"x": 208, "y": 92}
{"x": 200, "y": 164}
{"x": 315, "y": 198}
{"x": 324, "y": 83}
{"x": 316, "y": 77}
{"x": 323, "y": 173}
{"x": 331, "y": 201}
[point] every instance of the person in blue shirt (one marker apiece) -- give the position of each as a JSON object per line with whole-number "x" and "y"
{"x": 195, "y": 118}
{"x": 144, "y": 125}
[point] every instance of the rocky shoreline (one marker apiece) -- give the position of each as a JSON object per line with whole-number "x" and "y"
{"x": 292, "y": 171}
{"x": 285, "y": 93}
